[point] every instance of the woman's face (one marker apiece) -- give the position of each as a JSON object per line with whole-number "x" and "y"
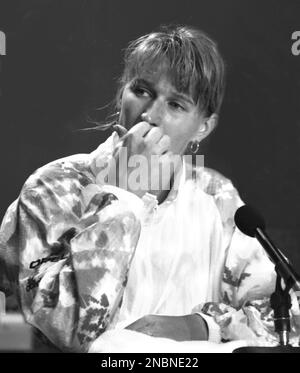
{"x": 153, "y": 93}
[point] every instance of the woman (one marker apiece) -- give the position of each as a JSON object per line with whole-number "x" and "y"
{"x": 106, "y": 240}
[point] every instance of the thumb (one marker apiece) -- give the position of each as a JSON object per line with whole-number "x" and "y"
{"x": 121, "y": 131}
{"x": 124, "y": 138}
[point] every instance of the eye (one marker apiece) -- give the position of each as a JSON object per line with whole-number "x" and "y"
{"x": 176, "y": 106}
{"x": 139, "y": 90}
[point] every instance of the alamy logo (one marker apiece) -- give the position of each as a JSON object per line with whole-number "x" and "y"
{"x": 2, "y": 43}
{"x": 296, "y": 44}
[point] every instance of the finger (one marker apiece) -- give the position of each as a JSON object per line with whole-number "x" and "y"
{"x": 163, "y": 145}
{"x": 121, "y": 131}
{"x": 167, "y": 156}
{"x": 140, "y": 129}
{"x": 137, "y": 131}
{"x": 153, "y": 136}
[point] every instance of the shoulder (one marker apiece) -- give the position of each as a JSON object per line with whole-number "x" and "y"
{"x": 214, "y": 183}
{"x": 61, "y": 176}
{"x": 224, "y": 193}
{"x": 56, "y": 187}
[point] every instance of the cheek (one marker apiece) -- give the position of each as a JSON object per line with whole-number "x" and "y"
{"x": 181, "y": 133}
{"x": 130, "y": 110}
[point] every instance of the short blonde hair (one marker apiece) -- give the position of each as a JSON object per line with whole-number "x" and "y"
{"x": 195, "y": 64}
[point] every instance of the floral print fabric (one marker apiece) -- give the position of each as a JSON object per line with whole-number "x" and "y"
{"x": 67, "y": 245}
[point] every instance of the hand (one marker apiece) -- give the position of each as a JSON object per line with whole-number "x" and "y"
{"x": 179, "y": 328}
{"x": 140, "y": 162}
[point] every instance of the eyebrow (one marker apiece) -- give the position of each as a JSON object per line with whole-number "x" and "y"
{"x": 182, "y": 96}
{"x": 142, "y": 81}
{"x": 175, "y": 94}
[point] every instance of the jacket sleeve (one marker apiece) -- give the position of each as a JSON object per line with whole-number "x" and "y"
{"x": 67, "y": 256}
{"x": 243, "y": 310}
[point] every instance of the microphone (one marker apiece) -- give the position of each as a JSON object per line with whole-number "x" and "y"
{"x": 250, "y": 222}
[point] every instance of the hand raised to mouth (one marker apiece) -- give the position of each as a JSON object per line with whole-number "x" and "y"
{"x": 149, "y": 164}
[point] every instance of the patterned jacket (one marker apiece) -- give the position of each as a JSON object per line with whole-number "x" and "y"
{"x": 67, "y": 245}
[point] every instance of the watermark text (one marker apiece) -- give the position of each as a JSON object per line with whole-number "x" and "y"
{"x": 138, "y": 172}
{"x": 2, "y": 43}
{"x": 296, "y": 45}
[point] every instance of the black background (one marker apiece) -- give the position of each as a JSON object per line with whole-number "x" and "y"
{"x": 64, "y": 57}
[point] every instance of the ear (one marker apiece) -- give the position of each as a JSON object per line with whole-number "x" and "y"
{"x": 207, "y": 125}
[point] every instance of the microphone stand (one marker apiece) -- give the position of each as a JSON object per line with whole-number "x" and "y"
{"x": 281, "y": 303}
{"x": 280, "y": 300}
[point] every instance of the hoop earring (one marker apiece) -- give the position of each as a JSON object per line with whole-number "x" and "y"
{"x": 194, "y": 147}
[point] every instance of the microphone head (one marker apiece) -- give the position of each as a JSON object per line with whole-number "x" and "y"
{"x": 247, "y": 219}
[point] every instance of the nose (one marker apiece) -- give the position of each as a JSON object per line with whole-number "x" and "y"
{"x": 146, "y": 117}
{"x": 153, "y": 114}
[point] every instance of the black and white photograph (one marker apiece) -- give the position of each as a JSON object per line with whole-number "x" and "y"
{"x": 150, "y": 163}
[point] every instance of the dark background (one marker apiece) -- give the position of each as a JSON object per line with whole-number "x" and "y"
{"x": 64, "y": 58}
